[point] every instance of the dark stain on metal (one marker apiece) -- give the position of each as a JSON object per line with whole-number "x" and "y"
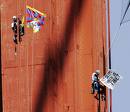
{"x": 68, "y": 108}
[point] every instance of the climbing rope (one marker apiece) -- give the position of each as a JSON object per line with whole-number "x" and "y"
{"x": 115, "y": 39}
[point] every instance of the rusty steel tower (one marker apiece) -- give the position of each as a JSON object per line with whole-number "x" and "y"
{"x": 51, "y": 71}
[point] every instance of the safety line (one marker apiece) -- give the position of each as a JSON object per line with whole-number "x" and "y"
{"x": 116, "y": 37}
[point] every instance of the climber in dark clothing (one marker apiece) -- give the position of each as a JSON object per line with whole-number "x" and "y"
{"x": 96, "y": 86}
{"x": 95, "y": 81}
{"x": 14, "y": 28}
{"x": 21, "y": 29}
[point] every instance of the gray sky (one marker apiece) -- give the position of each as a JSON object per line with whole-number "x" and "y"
{"x": 120, "y": 57}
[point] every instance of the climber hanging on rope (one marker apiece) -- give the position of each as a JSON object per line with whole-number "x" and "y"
{"x": 14, "y": 28}
{"x": 96, "y": 86}
{"x": 95, "y": 81}
{"x": 17, "y": 25}
{"x": 21, "y": 29}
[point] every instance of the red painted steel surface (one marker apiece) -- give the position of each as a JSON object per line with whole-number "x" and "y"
{"x": 52, "y": 69}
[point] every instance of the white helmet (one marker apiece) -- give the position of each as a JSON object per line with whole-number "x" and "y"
{"x": 14, "y": 17}
{"x": 98, "y": 72}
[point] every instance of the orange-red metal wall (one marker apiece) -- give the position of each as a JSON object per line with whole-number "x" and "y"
{"x": 52, "y": 69}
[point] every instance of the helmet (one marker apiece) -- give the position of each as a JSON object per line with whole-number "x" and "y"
{"x": 14, "y": 17}
{"x": 97, "y": 72}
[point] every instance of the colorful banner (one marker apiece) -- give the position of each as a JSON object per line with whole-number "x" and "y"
{"x": 110, "y": 79}
{"x": 34, "y": 18}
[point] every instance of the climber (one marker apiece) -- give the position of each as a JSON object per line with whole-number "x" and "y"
{"x": 14, "y": 28}
{"x": 97, "y": 87}
{"x": 21, "y": 29}
{"x": 95, "y": 81}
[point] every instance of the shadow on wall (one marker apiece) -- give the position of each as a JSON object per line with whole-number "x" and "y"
{"x": 55, "y": 58}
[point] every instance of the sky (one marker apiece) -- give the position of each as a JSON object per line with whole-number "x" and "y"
{"x": 120, "y": 49}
